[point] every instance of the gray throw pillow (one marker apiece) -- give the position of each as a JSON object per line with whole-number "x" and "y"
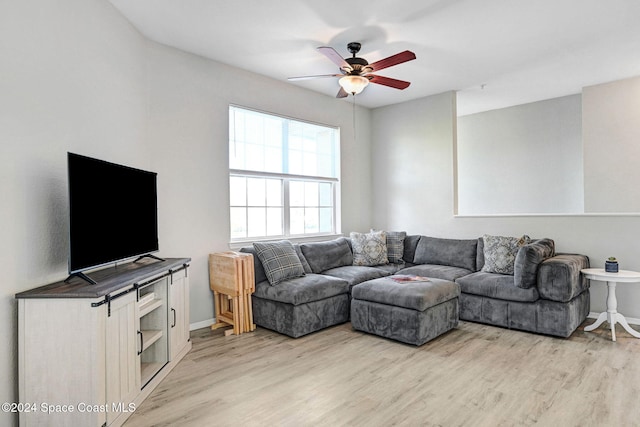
{"x": 369, "y": 249}
{"x": 500, "y": 253}
{"x": 303, "y": 260}
{"x": 323, "y": 256}
{"x": 395, "y": 246}
{"x": 410, "y": 246}
{"x": 451, "y": 252}
{"x": 280, "y": 260}
{"x": 529, "y": 257}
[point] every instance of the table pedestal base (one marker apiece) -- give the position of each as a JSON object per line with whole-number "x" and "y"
{"x": 612, "y": 315}
{"x": 612, "y": 318}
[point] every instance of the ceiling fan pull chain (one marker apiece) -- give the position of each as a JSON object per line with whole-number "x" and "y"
{"x": 355, "y": 135}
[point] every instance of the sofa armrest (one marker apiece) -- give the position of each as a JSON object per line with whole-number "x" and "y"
{"x": 559, "y": 277}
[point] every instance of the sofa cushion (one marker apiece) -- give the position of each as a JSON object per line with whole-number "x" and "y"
{"x": 500, "y": 253}
{"x": 413, "y": 295}
{"x": 410, "y": 245}
{"x": 301, "y": 290}
{"x": 258, "y": 269}
{"x": 355, "y": 274}
{"x": 322, "y": 256}
{"x": 392, "y": 268}
{"x": 529, "y": 257}
{"x": 498, "y": 286}
{"x": 451, "y": 252}
{"x": 444, "y": 272}
{"x": 369, "y": 249}
{"x": 303, "y": 260}
{"x": 280, "y": 260}
{"x": 480, "y": 254}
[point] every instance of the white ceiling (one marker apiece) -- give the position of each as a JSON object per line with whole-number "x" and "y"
{"x": 495, "y": 53}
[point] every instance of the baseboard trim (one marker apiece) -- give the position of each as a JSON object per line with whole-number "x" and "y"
{"x": 209, "y": 322}
{"x": 202, "y": 324}
{"x": 630, "y": 320}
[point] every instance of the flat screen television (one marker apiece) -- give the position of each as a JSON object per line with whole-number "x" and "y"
{"x": 113, "y": 213}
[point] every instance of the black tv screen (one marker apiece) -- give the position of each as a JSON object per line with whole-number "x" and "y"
{"x": 113, "y": 212}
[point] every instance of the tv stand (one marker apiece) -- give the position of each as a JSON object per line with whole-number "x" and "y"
{"x": 82, "y": 276}
{"x": 149, "y": 256}
{"x": 101, "y": 349}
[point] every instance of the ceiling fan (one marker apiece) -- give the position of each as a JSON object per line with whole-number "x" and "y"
{"x": 355, "y": 73}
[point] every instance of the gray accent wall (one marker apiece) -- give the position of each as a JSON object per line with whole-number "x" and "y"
{"x": 611, "y": 125}
{"x": 413, "y": 162}
{"x": 522, "y": 159}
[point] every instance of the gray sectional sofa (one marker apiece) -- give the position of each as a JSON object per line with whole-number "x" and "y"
{"x": 545, "y": 294}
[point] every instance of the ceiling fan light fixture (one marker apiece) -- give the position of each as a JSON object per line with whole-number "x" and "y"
{"x": 353, "y": 84}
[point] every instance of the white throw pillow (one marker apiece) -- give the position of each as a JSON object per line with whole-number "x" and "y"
{"x": 500, "y": 253}
{"x": 369, "y": 249}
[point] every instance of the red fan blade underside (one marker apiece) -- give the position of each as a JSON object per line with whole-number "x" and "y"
{"x": 334, "y": 56}
{"x": 388, "y": 81}
{"x": 342, "y": 93}
{"x": 320, "y": 76}
{"x": 396, "y": 59}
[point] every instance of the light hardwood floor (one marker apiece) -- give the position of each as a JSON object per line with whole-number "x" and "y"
{"x": 475, "y": 375}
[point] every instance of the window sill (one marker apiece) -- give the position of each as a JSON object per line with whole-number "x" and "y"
{"x": 237, "y": 244}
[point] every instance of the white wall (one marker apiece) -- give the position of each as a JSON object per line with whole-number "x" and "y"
{"x": 611, "y": 121}
{"x": 189, "y": 98}
{"x": 75, "y": 76}
{"x": 522, "y": 159}
{"x": 71, "y": 79}
{"x": 420, "y": 199}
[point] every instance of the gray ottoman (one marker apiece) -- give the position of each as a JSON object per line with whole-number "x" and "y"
{"x": 410, "y": 312}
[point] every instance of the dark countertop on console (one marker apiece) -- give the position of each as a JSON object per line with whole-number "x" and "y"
{"x": 109, "y": 279}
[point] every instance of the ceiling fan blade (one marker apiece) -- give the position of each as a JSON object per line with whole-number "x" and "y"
{"x": 387, "y": 81}
{"x": 396, "y": 59}
{"x": 335, "y": 57}
{"x": 320, "y": 76}
{"x": 342, "y": 93}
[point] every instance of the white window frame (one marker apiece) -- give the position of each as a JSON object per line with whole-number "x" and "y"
{"x": 286, "y": 178}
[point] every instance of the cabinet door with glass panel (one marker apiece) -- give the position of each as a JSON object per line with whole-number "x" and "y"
{"x": 153, "y": 329}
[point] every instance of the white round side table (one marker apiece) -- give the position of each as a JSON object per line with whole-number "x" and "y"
{"x": 612, "y": 315}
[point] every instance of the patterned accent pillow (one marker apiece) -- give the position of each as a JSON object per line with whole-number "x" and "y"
{"x": 395, "y": 246}
{"x": 500, "y": 253}
{"x": 369, "y": 249}
{"x": 280, "y": 260}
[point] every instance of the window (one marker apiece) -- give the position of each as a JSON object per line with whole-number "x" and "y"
{"x": 283, "y": 176}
